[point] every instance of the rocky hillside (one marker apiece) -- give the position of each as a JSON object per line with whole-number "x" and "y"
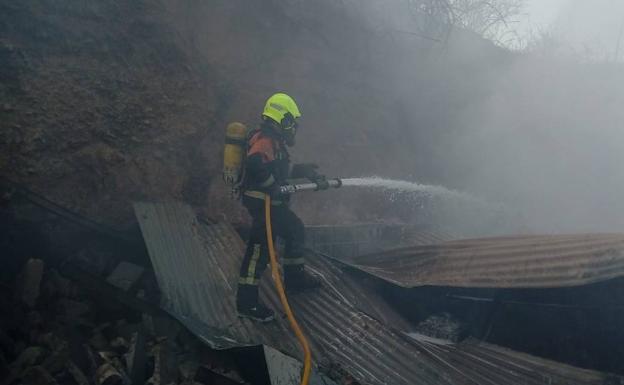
{"x": 104, "y": 103}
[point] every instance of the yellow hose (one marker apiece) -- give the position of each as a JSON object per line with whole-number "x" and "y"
{"x": 307, "y": 361}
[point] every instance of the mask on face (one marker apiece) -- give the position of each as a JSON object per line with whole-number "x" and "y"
{"x": 289, "y": 127}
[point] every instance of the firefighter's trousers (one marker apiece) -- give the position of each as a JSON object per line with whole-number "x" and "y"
{"x": 289, "y": 228}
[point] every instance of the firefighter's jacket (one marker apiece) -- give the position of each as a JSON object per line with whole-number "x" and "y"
{"x": 267, "y": 164}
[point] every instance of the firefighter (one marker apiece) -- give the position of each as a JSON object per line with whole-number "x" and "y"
{"x": 266, "y": 169}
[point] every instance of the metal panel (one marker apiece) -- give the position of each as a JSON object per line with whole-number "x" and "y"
{"x": 486, "y": 364}
{"x": 345, "y": 241}
{"x": 349, "y": 326}
{"x": 285, "y": 370}
{"x": 509, "y": 262}
{"x": 196, "y": 268}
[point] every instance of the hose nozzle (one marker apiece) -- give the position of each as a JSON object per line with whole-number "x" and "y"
{"x": 322, "y": 184}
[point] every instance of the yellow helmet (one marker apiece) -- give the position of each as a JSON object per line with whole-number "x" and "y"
{"x": 282, "y": 109}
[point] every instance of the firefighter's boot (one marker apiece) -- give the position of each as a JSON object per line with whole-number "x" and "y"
{"x": 248, "y": 305}
{"x": 297, "y": 279}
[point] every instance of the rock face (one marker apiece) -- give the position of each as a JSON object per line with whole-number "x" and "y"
{"x": 100, "y": 105}
{"x": 104, "y": 103}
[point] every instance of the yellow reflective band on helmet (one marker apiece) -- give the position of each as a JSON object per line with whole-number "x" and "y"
{"x": 278, "y": 105}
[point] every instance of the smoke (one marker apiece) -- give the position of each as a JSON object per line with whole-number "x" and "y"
{"x": 540, "y": 132}
{"x": 592, "y": 29}
{"x": 547, "y": 141}
{"x": 386, "y": 91}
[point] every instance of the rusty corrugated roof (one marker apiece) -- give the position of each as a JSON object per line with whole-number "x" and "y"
{"x": 505, "y": 262}
{"x": 344, "y": 241}
{"x": 485, "y": 364}
{"x": 349, "y": 326}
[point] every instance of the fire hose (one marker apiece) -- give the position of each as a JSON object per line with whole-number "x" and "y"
{"x": 275, "y": 274}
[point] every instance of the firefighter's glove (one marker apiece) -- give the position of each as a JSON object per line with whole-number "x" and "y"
{"x": 321, "y": 183}
{"x": 305, "y": 170}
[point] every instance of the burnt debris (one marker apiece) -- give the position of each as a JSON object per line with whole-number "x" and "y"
{"x": 54, "y": 330}
{"x": 80, "y": 306}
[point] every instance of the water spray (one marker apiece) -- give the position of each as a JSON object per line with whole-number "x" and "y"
{"x": 394, "y": 186}
{"x": 399, "y": 186}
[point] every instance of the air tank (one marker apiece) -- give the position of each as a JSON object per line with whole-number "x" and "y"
{"x": 234, "y": 153}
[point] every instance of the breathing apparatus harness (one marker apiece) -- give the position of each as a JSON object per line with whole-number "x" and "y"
{"x": 237, "y": 144}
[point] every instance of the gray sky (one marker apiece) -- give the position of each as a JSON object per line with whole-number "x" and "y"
{"x": 591, "y": 28}
{"x": 543, "y": 12}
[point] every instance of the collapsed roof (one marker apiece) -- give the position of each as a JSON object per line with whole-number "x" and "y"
{"x": 196, "y": 264}
{"x": 505, "y": 262}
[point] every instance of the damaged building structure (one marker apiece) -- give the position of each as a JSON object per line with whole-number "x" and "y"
{"x": 107, "y": 103}
{"x": 155, "y": 304}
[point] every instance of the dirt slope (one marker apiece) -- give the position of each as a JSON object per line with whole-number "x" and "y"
{"x": 103, "y": 103}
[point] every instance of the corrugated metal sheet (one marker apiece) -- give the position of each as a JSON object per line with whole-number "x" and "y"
{"x": 510, "y": 262}
{"x": 345, "y": 241}
{"x": 196, "y": 265}
{"x": 285, "y": 370}
{"x": 485, "y": 364}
